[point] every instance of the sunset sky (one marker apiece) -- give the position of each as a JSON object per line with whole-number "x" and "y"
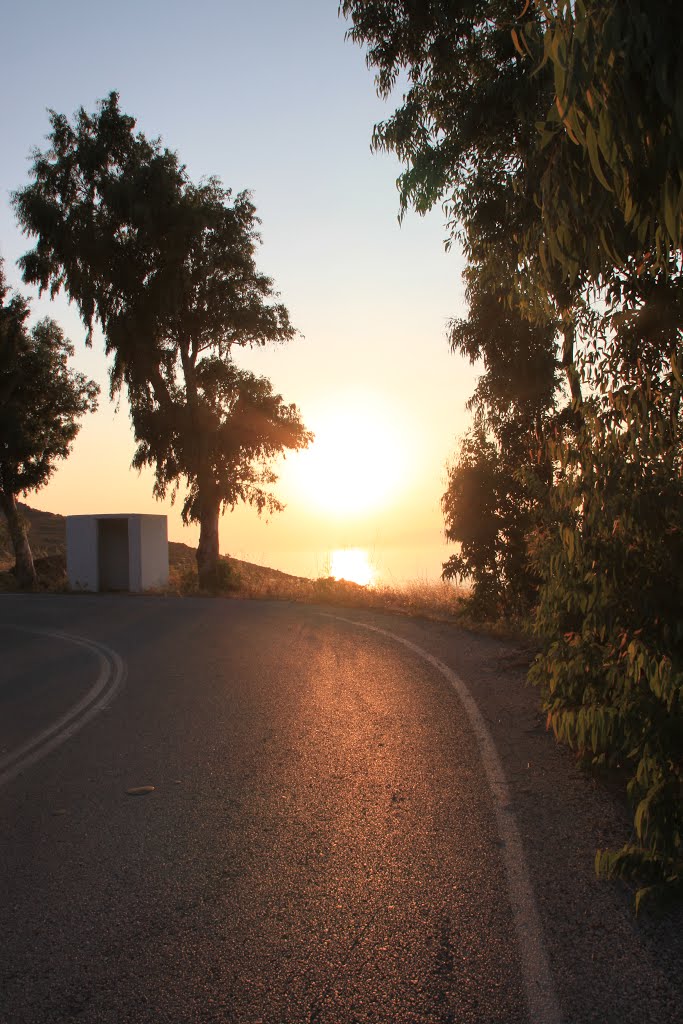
{"x": 269, "y": 96}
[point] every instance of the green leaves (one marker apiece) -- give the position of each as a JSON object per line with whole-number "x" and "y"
{"x": 615, "y": 69}
{"x": 554, "y": 134}
{"x": 613, "y": 684}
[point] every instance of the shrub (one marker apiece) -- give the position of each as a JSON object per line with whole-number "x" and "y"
{"x": 611, "y": 671}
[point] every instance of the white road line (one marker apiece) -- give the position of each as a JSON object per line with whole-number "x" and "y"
{"x": 109, "y": 681}
{"x": 542, "y": 1001}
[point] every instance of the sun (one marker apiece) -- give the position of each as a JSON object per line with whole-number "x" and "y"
{"x": 358, "y": 459}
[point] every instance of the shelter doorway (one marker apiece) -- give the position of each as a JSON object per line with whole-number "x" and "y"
{"x": 113, "y": 554}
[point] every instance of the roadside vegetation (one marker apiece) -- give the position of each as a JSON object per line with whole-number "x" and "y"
{"x": 553, "y": 136}
{"x": 436, "y": 600}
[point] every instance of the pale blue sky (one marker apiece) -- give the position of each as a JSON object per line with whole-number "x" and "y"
{"x": 267, "y": 96}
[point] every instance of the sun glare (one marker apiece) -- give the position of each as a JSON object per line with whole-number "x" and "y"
{"x": 357, "y": 461}
{"x": 352, "y": 564}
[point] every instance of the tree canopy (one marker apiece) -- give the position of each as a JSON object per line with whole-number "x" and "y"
{"x": 245, "y": 424}
{"x": 41, "y": 400}
{"x": 167, "y": 269}
{"x": 552, "y": 132}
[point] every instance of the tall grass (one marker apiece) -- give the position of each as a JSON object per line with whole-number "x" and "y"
{"x": 437, "y": 600}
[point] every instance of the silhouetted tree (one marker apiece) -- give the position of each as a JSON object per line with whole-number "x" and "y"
{"x": 40, "y": 401}
{"x": 244, "y": 426}
{"x": 167, "y": 268}
{"x": 498, "y": 485}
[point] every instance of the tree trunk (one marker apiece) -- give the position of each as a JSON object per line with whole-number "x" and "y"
{"x": 573, "y": 379}
{"x": 208, "y": 551}
{"x": 208, "y": 565}
{"x": 24, "y": 569}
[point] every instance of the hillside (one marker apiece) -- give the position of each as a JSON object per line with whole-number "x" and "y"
{"x": 47, "y": 533}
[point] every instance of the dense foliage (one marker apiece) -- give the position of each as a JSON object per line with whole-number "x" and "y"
{"x": 245, "y": 425}
{"x": 41, "y": 399}
{"x": 167, "y": 268}
{"x": 553, "y": 135}
{"x": 498, "y": 485}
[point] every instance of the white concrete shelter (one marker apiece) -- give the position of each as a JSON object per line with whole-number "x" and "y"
{"x": 117, "y": 552}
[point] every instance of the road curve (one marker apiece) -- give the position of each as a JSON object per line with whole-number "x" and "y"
{"x": 16, "y": 758}
{"x": 320, "y": 846}
{"x": 541, "y": 998}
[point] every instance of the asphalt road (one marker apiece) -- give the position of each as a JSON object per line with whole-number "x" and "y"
{"x": 323, "y": 842}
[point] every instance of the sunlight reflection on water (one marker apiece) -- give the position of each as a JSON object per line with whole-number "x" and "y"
{"x": 390, "y": 565}
{"x": 352, "y": 564}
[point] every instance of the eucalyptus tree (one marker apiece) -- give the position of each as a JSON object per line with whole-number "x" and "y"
{"x": 552, "y": 131}
{"x": 166, "y": 267}
{"x": 41, "y": 399}
{"x": 497, "y": 496}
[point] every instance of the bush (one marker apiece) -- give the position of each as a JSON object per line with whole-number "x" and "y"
{"x": 184, "y": 579}
{"x": 229, "y": 579}
{"x": 609, "y": 612}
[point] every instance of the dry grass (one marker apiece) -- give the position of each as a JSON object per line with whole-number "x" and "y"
{"x": 51, "y": 571}
{"x": 434, "y": 600}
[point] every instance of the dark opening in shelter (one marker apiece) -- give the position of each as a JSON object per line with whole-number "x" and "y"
{"x": 113, "y": 554}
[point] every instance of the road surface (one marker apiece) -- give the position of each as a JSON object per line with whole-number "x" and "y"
{"x": 325, "y": 840}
